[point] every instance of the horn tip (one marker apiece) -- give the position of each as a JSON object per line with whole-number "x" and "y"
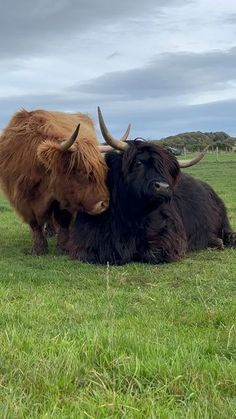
{"x": 203, "y": 152}
{"x": 77, "y": 131}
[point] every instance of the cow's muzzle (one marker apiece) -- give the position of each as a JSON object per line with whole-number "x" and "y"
{"x": 100, "y": 207}
{"x": 160, "y": 190}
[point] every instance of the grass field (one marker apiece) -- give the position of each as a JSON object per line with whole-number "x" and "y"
{"x": 138, "y": 341}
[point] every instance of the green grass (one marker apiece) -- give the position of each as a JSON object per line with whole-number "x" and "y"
{"x": 80, "y": 341}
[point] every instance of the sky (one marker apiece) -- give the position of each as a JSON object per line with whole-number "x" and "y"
{"x": 165, "y": 66}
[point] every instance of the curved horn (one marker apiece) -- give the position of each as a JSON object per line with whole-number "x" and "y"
{"x": 126, "y": 134}
{"x": 117, "y": 144}
{"x": 104, "y": 148}
{"x": 195, "y": 160}
{"x": 66, "y": 144}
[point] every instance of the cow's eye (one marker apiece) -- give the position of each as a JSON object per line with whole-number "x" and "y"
{"x": 138, "y": 163}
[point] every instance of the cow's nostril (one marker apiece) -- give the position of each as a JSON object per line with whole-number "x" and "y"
{"x": 104, "y": 204}
{"x": 99, "y": 207}
{"x": 162, "y": 185}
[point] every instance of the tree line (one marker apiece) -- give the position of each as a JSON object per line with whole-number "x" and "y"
{"x": 194, "y": 141}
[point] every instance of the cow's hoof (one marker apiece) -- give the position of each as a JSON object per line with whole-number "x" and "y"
{"x": 39, "y": 250}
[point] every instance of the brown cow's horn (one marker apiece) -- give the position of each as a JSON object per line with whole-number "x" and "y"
{"x": 117, "y": 144}
{"x": 195, "y": 160}
{"x": 66, "y": 144}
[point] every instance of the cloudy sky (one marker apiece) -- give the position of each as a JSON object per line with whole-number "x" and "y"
{"x": 166, "y": 66}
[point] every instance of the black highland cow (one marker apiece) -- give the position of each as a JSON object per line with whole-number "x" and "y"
{"x": 157, "y": 213}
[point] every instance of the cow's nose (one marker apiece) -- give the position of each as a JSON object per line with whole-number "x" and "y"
{"x": 104, "y": 204}
{"x": 100, "y": 207}
{"x": 161, "y": 185}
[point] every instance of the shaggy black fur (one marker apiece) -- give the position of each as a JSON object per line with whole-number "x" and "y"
{"x": 156, "y": 213}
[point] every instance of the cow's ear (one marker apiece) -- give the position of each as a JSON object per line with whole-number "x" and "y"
{"x": 47, "y": 153}
{"x": 52, "y": 157}
{"x": 174, "y": 170}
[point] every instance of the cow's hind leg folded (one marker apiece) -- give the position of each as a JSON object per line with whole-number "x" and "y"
{"x": 166, "y": 239}
{"x": 215, "y": 243}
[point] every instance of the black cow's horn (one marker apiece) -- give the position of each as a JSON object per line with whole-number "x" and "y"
{"x": 117, "y": 144}
{"x": 66, "y": 144}
{"x": 195, "y": 160}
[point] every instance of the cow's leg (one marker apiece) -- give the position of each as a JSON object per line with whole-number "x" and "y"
{"x": 63, "y": 233}
{"x": 49, "y": 228}
{"x": 40, "y": 245}
{"x": 63, "y": 219}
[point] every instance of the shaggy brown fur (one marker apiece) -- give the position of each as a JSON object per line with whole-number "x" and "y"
{"x": 35, "y": 173}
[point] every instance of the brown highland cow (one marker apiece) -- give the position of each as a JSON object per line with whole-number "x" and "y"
{"x": 52, "y": 162}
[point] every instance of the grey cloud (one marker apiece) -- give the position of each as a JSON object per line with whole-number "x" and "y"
{"x": 28, "y": 27}
{"x": 62, "y": 102}
{"x": 150, "y": 121}
{"x": 154, "y": 122}
{"x": 230, "y": 18}
{"x": 168, "y": 75}
{"x": 216, "y": 116}
{"x": 148, "y": 96}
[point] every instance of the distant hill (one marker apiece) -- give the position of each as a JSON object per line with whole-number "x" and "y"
{"x": 197, "y": 140}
